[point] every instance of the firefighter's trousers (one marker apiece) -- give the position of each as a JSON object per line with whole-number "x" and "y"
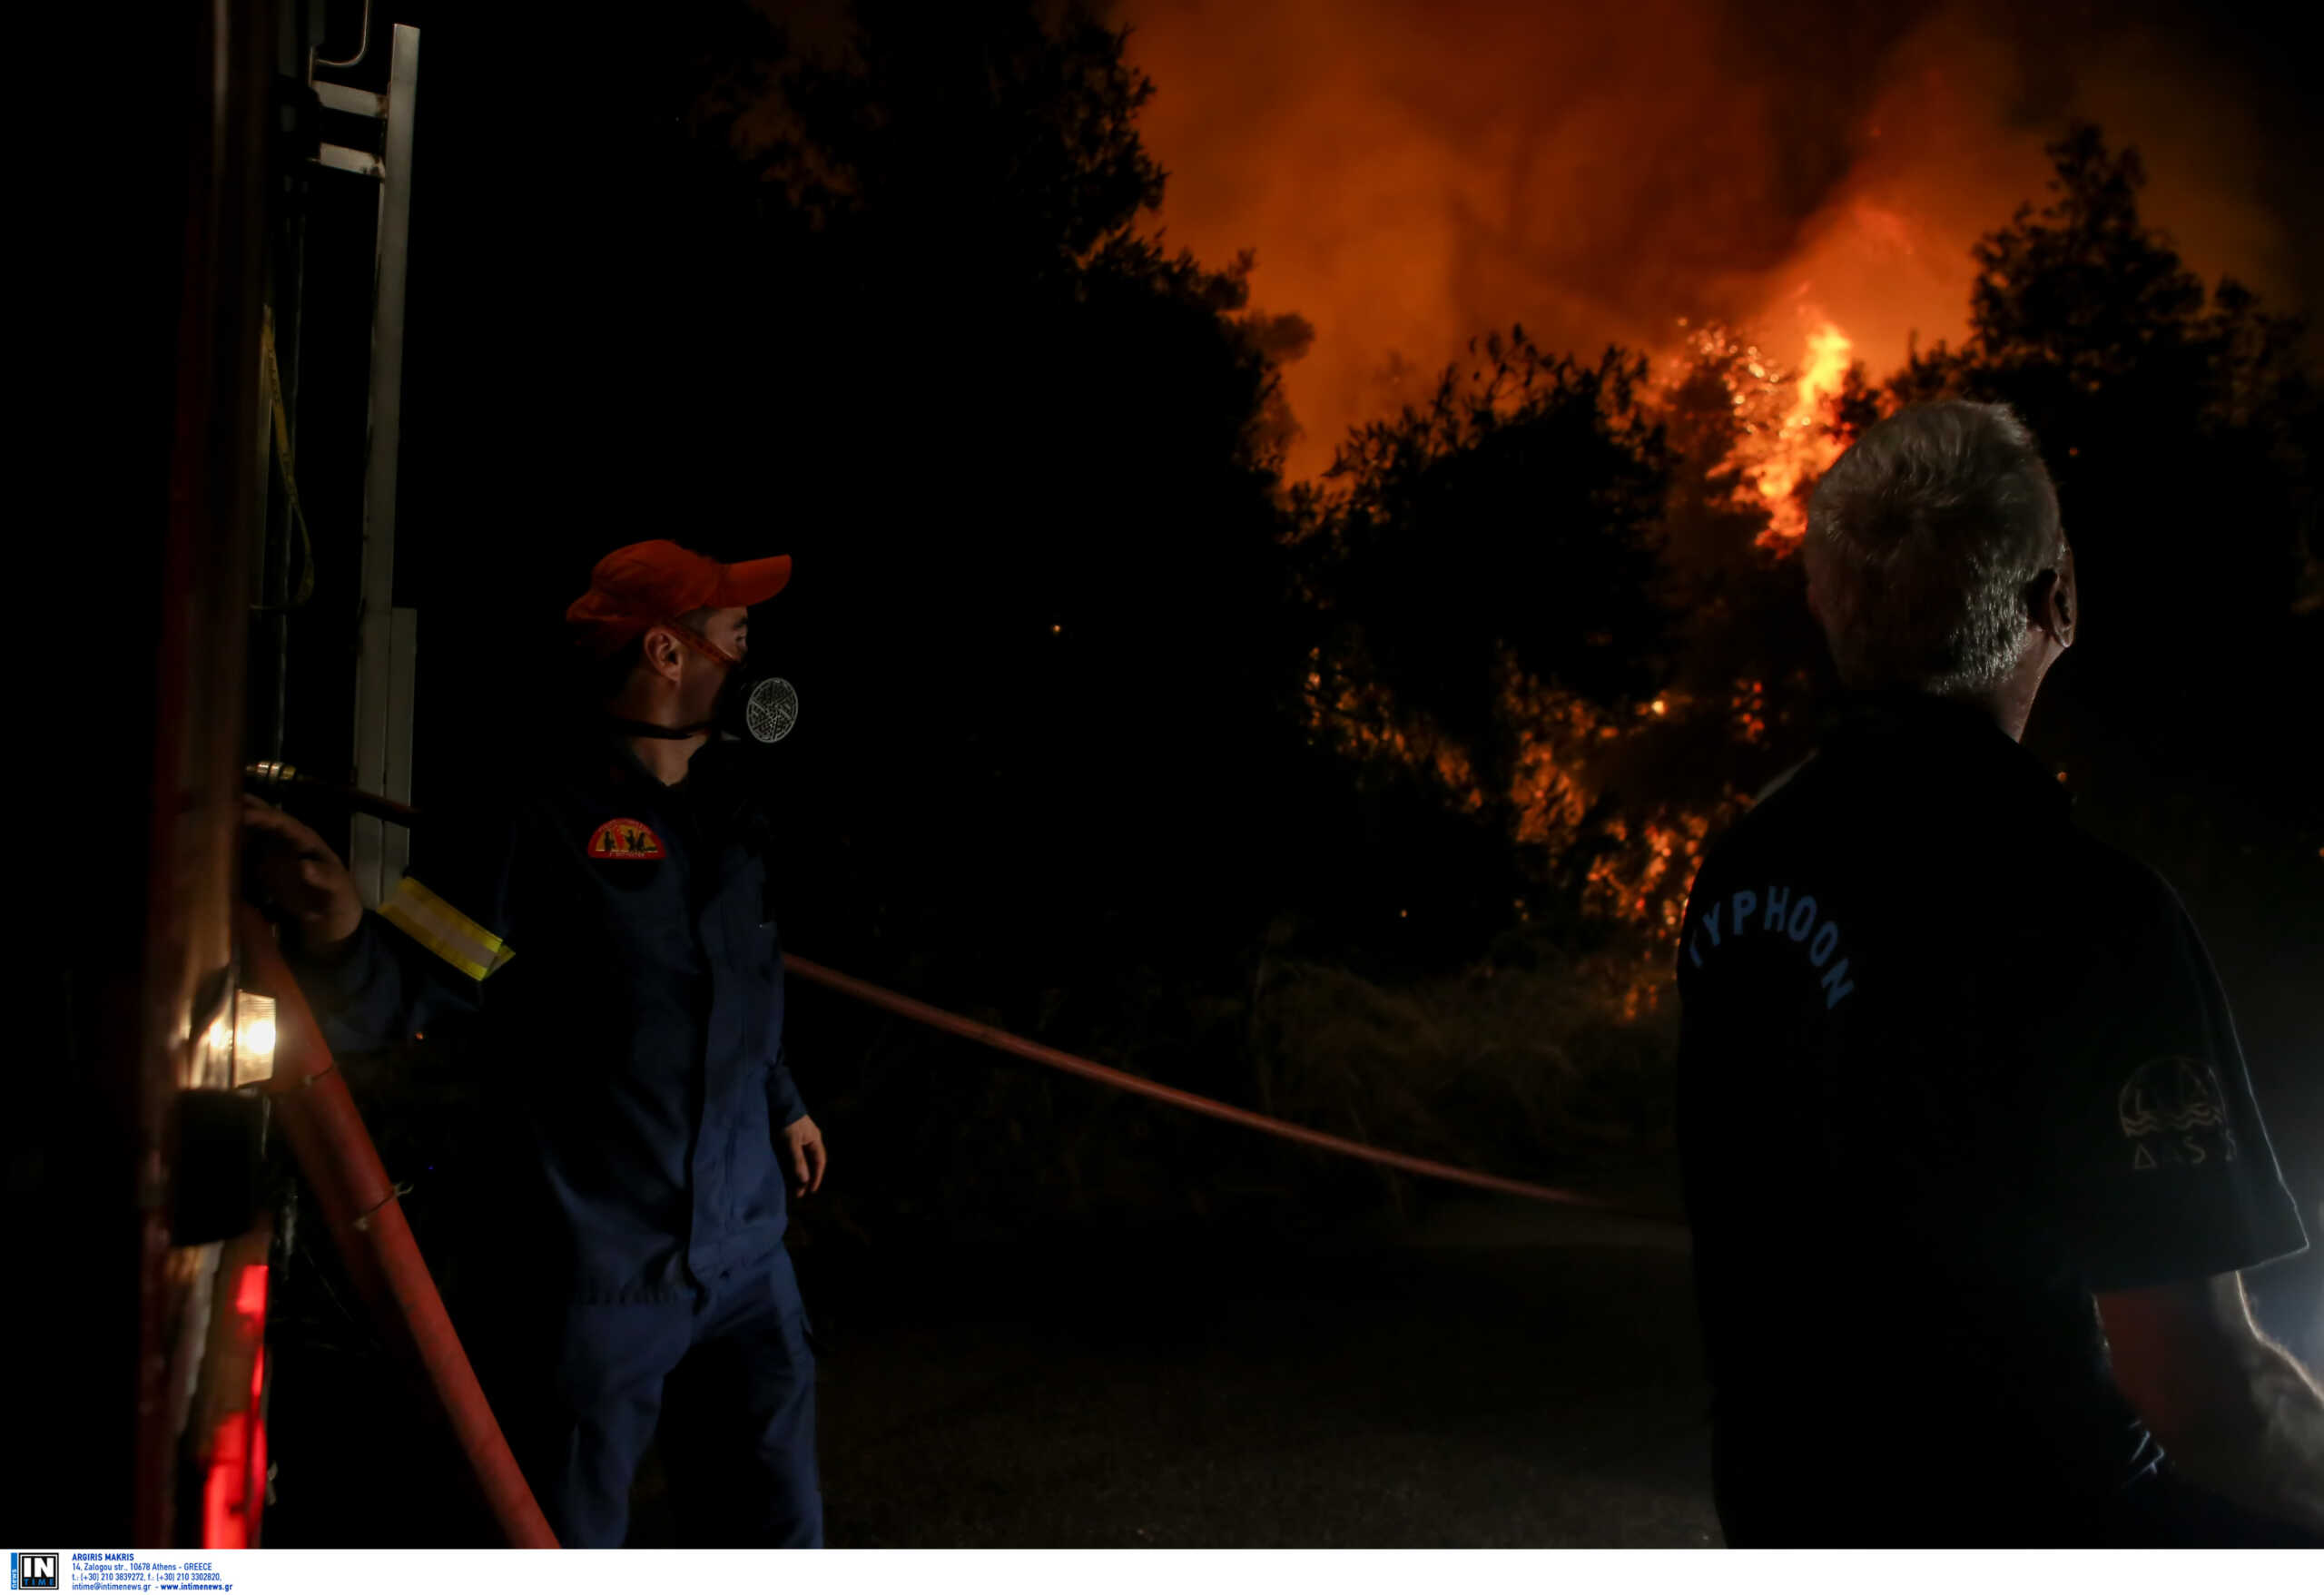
{"x": 728, "y": 1378}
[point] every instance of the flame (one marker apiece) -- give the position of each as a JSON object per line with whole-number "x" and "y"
{"x": 1362, "y": 721}
{"x": 1647, "y": 863}
{"x": 1802, "y": 449}
{"x": 1781, "y": 412}
{"x": 1411, "y": 174}
{"x": 1749, "y": 708}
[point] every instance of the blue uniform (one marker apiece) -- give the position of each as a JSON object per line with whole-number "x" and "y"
{"x": 613, "y": 938}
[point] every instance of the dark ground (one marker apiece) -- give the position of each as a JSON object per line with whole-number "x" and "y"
{"x": 1487, "y": 1372}
{"x": 1493, "y": 1373}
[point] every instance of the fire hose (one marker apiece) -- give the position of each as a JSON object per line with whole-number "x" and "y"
{"x": 1121, "y": 1080}
{"x": 360, "y": 1205}
{"x": 361, "y": 1208}
{"x": 276, "y": 778}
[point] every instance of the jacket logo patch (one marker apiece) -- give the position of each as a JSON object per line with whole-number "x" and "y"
{"x": 626, "y": 839}
{"x": 2173, "y": 1112}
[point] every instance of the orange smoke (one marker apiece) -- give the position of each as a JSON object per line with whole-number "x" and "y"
{"x": 1414, "y": 173}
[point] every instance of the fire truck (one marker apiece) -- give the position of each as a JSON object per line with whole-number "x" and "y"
{"x": 223, "y": 414}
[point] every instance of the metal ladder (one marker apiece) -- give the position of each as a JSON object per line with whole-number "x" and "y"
{"x": 387, "y": 636}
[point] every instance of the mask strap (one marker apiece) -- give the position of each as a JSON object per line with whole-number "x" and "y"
{"x": 698, "y": 643}
{"x": 669, "y": 732}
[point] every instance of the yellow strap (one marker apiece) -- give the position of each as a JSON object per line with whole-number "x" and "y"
{"x": 443, "y": 931}
{"x": 271, "y": 375}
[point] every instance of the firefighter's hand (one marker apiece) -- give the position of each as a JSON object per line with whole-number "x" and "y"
{"x": 301, "y": 877}
{"x": 803, "y": 1145}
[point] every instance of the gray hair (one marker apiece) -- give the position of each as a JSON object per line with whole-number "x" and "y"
{"x": 1922, "y": 539}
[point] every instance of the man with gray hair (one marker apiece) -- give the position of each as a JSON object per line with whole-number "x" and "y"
{"x": 1971, "y": 1153}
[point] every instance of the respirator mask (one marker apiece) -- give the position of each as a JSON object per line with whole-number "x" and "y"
{"x": 754, "y": 707}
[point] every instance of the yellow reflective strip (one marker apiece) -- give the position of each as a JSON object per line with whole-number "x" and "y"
{"x": 443, "y": 925}
{"x": 450, "y": 918}
{"x": 443, "y": 931}
{"x": 479, "y": 948}
{"x": 402, "y": 918}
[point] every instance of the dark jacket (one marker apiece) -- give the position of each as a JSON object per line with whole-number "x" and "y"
{"x": 629, "y": 1025}
{"x": 1948, "y": 1066}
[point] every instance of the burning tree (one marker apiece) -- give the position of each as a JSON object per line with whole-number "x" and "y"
{"x": 1483, "y": 566}
{"x": 1562, "y": 596}
{"x": 2178, "y": 423}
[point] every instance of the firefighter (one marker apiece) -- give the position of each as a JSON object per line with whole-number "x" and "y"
{"x": 604, "y": 922}
{"x": 1972, "y": 1157}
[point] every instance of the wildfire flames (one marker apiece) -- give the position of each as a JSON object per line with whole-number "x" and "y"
{"x": 1782, "y": 414}
{"x": 1648, "y": 864}
{"x": 1645, "y": 864}
{"x": 1801, "y": 448}
{"x": 1411, "y": 173}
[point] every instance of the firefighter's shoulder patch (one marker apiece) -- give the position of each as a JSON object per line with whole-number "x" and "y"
{"x": 626, "y": 839}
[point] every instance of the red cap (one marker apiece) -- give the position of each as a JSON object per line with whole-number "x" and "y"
{"x": 652, "y": 584}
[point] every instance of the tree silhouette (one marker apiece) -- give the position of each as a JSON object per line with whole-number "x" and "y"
{"x": 2182, "y": 429}
{"x": 1502, "y": 526}
{"x": 1031, "y": 468}
{"x": 1742, "y": 632}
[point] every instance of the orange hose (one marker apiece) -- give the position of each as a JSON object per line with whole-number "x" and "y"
{"x": 1001, "y": 1040}
{"x": 358, "y": 1202}
{"x": 935, "y": 1017}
